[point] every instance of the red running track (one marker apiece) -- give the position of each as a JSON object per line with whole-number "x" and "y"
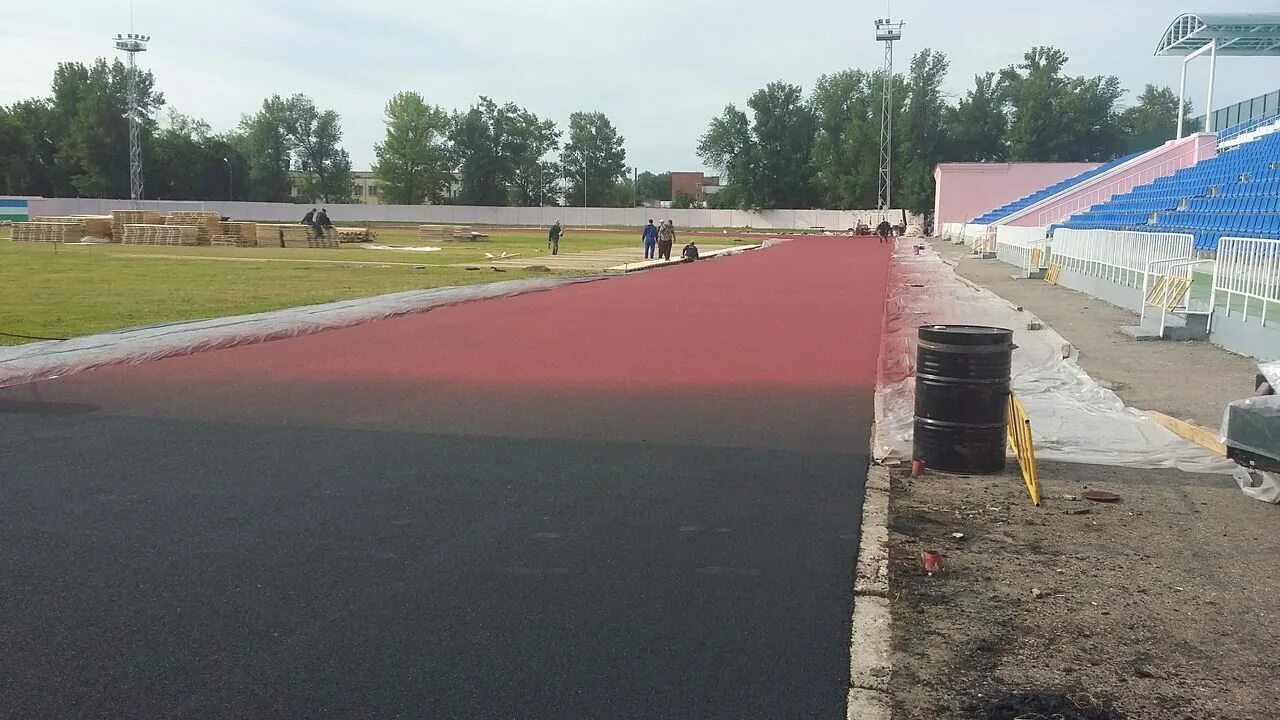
{"x": 686, "y": 355}
{"x": 636, "y": 498}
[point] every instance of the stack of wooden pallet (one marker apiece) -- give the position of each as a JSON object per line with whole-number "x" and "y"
{"x": 120, "y": 218}
{"x": 297, "y": 236}
{"x": 94, "y": 225}
{"x": 62, "y": 232}
{"x": 440, "y": 233}
{"x": 205, "y": 223}
{"x": 470, "y": 237}
{"x": 245, "y": 234}
{"x": 355, "y": 235}
{"x": 140, "y": 234}
{"x": 268, "y": 235}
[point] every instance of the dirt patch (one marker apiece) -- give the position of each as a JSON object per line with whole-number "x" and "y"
{"x": 1162, "y": 605}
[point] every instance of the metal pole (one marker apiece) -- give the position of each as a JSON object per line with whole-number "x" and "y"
{"x": 1182, "y": 93}
{"x": 1209, "y": 124}
{"x": 231, "y": 174}
{"x": 584, "y": 185}
{"x": 635, "y": 178}
{"x": 542, "y": 200}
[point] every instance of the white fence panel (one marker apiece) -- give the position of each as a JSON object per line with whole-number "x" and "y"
{"x": 1014, "y": 244}
{"x": 833, "y": 220}
{"x": 1119, "y": 257}
{"x": 1247, "y": 277}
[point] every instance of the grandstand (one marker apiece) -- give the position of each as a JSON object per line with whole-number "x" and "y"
{"x": 1004, "y": 211}
{"x": 1236, "y": 193}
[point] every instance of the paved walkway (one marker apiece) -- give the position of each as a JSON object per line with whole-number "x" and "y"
{"x": 634, "y": 498}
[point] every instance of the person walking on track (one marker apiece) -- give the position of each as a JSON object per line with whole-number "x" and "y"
{"x": 650, "y": 238}
{"x": 553, "y": 238}
{"x": 666, "y": 238}
{"x": 883, "y": 230}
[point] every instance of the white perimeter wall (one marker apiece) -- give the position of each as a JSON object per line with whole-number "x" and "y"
{"x": 475, "y": 215}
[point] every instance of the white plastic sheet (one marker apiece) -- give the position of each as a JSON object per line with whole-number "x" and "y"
{"x": 42, "y": 360}
{"x": 1073, "y": 419}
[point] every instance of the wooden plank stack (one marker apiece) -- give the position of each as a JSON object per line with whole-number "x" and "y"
{"x": 297, "y": 236}
{"x": 329, "y": 238}
{"x": 355, "y": 235}
{"x": 268, "y": 235}
{"x": 440, "y": 233}
{"x": 224, "y": 240}
{"x": 120, "y": 218}
{"x": 94, "y": 225}
{"x": 140, "y": 234}
{"x": 245, "y": 233}
{"x": 205, "y": 223}
{"x": 62, "y": 232}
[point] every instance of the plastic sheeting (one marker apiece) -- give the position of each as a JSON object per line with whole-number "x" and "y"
{"x": 43, "y": 360}
{"x": 1073, "y": 418}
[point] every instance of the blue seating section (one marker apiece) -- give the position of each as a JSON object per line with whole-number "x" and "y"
{"x": 1023, "y": 202}
{"x": 1236, "y": 193}
{"x": 1244, "y": 127}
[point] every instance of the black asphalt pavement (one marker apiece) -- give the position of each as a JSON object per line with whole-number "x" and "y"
{"x": 212, "y": 569}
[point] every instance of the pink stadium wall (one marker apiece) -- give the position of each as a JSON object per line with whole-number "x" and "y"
{"x": 1157, "y": 163}
{"x": 967, "y": 190}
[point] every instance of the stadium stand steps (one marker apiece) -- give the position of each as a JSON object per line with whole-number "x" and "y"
{"x": 1027, "y": 201}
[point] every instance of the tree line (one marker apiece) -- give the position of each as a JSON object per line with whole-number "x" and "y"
{"x": 789, "y": 150}
{"x": 75, "y": 143}
{"x": 784, "y": 149}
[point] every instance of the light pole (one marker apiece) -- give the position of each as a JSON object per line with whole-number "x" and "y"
{"x": 541, "y": 186}
{"x": 584, "y": 185}
{"x": 231, "y": 175}
{"x": 132, "y": 44}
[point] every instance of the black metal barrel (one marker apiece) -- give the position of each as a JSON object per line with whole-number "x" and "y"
{"x": 962, "y": 397}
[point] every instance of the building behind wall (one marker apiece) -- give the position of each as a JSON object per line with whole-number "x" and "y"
{"x": 695, "y": 184}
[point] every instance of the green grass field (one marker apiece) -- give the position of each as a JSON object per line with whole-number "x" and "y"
{"x": 68, "y": 290}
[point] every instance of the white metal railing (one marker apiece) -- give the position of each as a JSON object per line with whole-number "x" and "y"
{"x": 1123, "y": 258}
{"x": 1187, "y": 157}
{"x": 1014, "y": 244}
{"x": 1248, "y": 274}
{"x": 1179, "y": 268}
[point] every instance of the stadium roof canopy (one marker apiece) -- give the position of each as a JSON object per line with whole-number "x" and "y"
{"x": 1245, "y": 34}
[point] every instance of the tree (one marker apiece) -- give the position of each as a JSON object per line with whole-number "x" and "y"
{"x": 594, "y": 158}
{"x": 683, "y": 201}
{"x": 268, "y": 152}
{"x": 315, "y": 136}
{"x": 413, "y": 160}
{"x": 979, "y": 124}
{"x": 15, "y": 155}
{"x": 1058, "y": 118}
{"x": 783, "y": 126}
{"x": 186, "y": 161}
{"x": 1154, "y": 119}
{"x": 652, "y": 187}
{"x": 923, "y": 132}
{"x": 89, "y": 126}
{"x": 847, "y": 139}
{"x": 500, "y": 151}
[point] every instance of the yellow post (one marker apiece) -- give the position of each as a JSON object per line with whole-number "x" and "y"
{"x": 1019, "y": 429}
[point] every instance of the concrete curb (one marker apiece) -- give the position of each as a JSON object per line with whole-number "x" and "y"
{"x": 869, "y": 642}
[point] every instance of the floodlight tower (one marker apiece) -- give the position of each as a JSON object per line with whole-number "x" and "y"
{"x": 132, "y": 44}
{"x": 888, "y": 32}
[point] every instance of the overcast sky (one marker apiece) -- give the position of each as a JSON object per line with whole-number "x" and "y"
{"x": 659, "y": 69}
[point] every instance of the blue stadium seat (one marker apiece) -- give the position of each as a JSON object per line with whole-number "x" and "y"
{"x": 1236, "y": 192}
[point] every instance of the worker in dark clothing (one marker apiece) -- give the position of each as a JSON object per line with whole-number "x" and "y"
{"x": 690, "y": 252}
{"x": 323, "y": 219}
{"x": 666, "y": 239}
{"x": 883, "y": 230}
{"x": 309, "y": 218}
{"x": 650, "y": 238}
{"x": 553, "y": 238}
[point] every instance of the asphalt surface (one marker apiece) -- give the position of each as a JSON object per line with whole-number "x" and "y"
{"x": 636, "y": 498}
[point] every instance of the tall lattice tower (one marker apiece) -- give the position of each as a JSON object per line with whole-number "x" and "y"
{"x": 888, "y": 32}
{"x": 132, "y": 44}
